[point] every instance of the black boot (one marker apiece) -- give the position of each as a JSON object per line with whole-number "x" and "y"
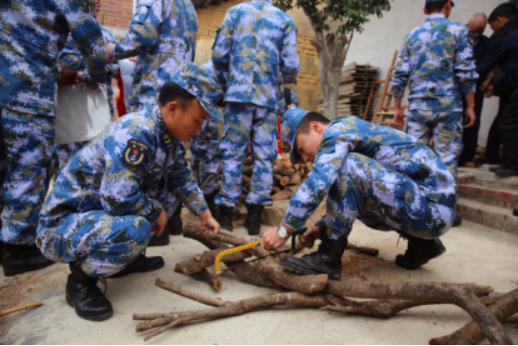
{"x": 159, "y": 240}
{"x": 18, "y": 259}
{"x": 419, "y": 252}
{"x": 326, "y": 260}
{"x": 457, "y": 221}
{"x": 142, "y": 264}
{"x": 225, "y": 217}
{"x": 213, "y": 207}
{"x": 175, "y": 225}
{"x": 253, "y": 218}
{"x": 515, "y": 212}
{"x": 85, "y": 297}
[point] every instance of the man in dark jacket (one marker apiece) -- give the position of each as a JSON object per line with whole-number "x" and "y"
{"x": 503, "y": 51}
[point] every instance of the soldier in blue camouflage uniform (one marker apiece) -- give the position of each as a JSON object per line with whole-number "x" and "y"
{"x": 162, "y": 34}
{"x": 31, "y": 33}
{"x": 122, "y": 186}
{"x": 255, "y": 52}
{"x": 436, "y": 60}
{"x": 372, "y": 173}
{"x": 70, "y": 59}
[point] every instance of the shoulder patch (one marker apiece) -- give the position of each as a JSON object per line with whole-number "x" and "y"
{"x": 135, "y": 152}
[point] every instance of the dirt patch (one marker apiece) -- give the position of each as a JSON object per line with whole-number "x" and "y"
{"x": 26, "y": 288}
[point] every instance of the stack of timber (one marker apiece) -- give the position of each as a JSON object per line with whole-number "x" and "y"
{"x": 355, "y": 86}
{"x": 286, "y": 176}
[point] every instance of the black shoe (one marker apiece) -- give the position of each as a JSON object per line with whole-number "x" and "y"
{"x": 253, "y": 218}
{"x": 85, "y": 297}
{"x": 175, "y": 225}
{"x": 159, "y": 240}
{"x": 225, "y": 217}
{"x": 142, "y": 264}
{"x": 419, "y": 252}
{"x": 18, "y": 259}
{"x": 500, "y": 166}
{"x": 457, "y": 221}
{"x": 213, "y": 207}
{"x": 515, "y": 212}
{"x": 506, "y": 172}
{"x": 326, "y": 260}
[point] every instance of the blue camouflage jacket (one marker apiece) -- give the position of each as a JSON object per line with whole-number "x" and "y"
{"x": 162, "y": 34}
{"x": 29, "y": 35}
{"x": 133, "y": 167}
{"x": 257, "y": 48}
{"x": 389, "y": 147}
{"x": 436, "y": 61}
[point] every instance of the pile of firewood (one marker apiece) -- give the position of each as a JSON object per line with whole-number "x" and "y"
{"x": 383, "y": 300}
{"x": 286, "y": 175}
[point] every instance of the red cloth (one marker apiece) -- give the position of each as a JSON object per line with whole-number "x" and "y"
{"x": 121, "y": 107}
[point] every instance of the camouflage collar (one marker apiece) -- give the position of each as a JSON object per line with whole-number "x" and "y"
{"x": 434, "y": 16}
{"x": 162, "y": 131}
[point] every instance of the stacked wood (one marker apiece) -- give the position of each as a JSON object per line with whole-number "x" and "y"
{"x": 383, "y": 300}
{"x": 355, "y": 86}
{"x": 286, "y": 176}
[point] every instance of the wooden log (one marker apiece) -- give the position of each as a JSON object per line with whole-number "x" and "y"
{"x": 248, "y": 161}
{"x": 247, "y": 179}
{"x": 184, "y": 292}
{"x": 20, "y": 308}
{"x": 297, "y": 166}
{"x": 464, "y": 296}
{"x": 210, "y": 279}
{"x": 275, "y": 190}
{"x": 282, "y": 195}
{"x": 206, "y": 259}
{"x": 284, "y": 181}
{"x": 472, "y": 334}
{"x": 277, "y": 177}
{"x": 295, "y": 179}
{"x": 287, "y": 163}
{"x": 283, "y": 170}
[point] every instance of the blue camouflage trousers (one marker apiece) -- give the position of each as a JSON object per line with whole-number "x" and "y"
{"x": 62, "y": 154}
{"x": 101, "y": 244}
{"x": 379, "y": 196}
{"x": 27, "y": 144}
{"x": 244, "y": 122}
{"x": 443, "y": 123}
{"x": 205, "y": 158}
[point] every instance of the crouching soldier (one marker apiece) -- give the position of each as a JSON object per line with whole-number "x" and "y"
{"x": 369, "y": 172}
{"x": 121, "y": 187}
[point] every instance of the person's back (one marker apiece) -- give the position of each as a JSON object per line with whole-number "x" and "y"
{"x": 433, "y": 47}
{"x": 162, "y": 34}
{"x": 263, "y": 50}
{"x": 29, "y": 37}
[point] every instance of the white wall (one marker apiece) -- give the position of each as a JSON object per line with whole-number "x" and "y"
{"x": 381, "y": 37}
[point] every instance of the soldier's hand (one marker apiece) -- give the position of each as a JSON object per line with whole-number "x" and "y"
{"x": 399, "y": 117}
{"x": 308, "y": 238}
{"x": 469, "y": 118}
{"x": 271, "y": 240}
{"x": 208, "y": 221}
{"x": 160, "y": 223}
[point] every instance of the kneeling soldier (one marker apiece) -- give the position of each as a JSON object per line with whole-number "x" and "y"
{"x": 369, "y": 172}
{"x": 122, "y": 186}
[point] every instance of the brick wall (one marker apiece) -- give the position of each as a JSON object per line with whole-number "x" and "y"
{"x": 115, "y": 15}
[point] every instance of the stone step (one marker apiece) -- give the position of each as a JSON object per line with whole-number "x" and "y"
{"x": 486, "y": 178}
{"x": 488, "y": 215}
{"x": 505, "y": 198}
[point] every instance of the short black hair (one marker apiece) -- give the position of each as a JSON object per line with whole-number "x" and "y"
{"x": 173, "y": 92}
{"x": 506, "y": 10}
{"x": 311, "y": 116}
{"x": 435, "y": 6}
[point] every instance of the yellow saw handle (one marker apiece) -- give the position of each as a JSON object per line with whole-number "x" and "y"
{"x": 217, "y": 263}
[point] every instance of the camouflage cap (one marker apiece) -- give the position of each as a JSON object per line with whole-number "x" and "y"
{"x": 200, "y": 84}
{"x": 290, "y": 124}
{"x": 427, "y": 1}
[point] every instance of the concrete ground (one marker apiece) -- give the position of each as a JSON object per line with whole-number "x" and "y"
{"x": 475, "y": 254}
